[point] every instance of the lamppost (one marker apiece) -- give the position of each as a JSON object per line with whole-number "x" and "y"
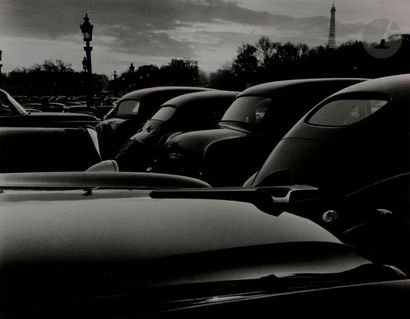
{"x": 1, "y": 53}
{"x": 1, "y": 78}
{"x": 115, "y": 83}
{"x": 84, "y": 62}
{"x": 87, "y": 30}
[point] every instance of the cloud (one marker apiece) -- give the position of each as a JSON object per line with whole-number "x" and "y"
{"x": 157, "y": 30}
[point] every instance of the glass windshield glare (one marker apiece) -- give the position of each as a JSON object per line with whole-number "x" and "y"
{"x": 164, "y": 113}
{"x": 128, "y": 107}
{"x": 346, "y": 112}
{"x": 247, "y": 109}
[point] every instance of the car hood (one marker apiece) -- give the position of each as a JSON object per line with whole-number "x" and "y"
{"x": 74, "y": 244}
{"x": 198, "y": 141}
{"x": 128, "y": 225}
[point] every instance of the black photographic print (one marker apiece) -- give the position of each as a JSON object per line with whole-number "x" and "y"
{"x": 204, "y": 158}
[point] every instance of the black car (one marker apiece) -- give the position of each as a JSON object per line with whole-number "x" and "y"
{"x": 93, "y": 251}
{"x": 188, "y": 112}
{"x": 131, "y": 112}
{"x": 13, "y": 114}
{"x": 250, "y": 128}
{"x": 375, "y": 219}
{"x": 38, "y": 149}
{"x": 355, "y": 137}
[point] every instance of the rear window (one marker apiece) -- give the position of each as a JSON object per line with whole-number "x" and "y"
{"x": 128, "y": 107}
{"x": 164, "y": 113}
{"x": 247, "y": 109}
{"x": 346, "y": 112}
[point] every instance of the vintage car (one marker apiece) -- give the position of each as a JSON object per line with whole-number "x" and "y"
{"x": 249, "y": 129}
{"x": 91, "y": 250}
{"x": 37, "y": 149}
{"x": 375, "y": 219}
{"x": 13, "y": 114}
{"x": 131, "y": 112}
{"x": 355, "y": 137}
{"x": 188, "y": 112}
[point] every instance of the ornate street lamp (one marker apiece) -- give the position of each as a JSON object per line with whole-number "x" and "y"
{"x": 87, "y": 30}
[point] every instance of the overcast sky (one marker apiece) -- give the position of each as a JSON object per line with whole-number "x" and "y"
{"x": 154, "y": 31}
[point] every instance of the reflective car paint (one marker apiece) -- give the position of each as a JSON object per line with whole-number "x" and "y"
{"x": 192, "y": 111}
{"x": 45, "y": 149}
{"x": 230, "y": 154}
{"x": 344, "y": 158}
{"x": 64, "y": 249}
{"x": 115, "y": 129}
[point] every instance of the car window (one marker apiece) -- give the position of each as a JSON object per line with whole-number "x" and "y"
{"x": 128, "y": 107}
{"x": 247, "y": 109}
{"x": 345, "y": 112}
{"x": 164, "y": 113}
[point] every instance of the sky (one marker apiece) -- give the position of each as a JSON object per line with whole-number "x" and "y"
{"x": 155, "y": 31}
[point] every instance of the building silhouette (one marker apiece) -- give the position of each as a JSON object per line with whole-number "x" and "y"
{"x": 332, "y": 29}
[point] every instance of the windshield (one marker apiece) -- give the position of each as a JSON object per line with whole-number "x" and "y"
{"x": 128, "y": 108}
{"x": 247, "y": 109}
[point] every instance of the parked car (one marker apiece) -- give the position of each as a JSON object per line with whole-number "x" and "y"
{"x": 188, "y": 112}
{"x": 131, "y": 112}
{"x": 13, "y": 114}
{"x": 248, "y": 131}
{"x": 88, "y": 251}
{"x": 375, "y": 219}
{"x": 355, "y": 137}
{"x": 38, "y": 149}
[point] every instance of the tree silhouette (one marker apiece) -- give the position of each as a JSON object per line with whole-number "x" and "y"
{"x": 50, "y": 78}
{"x": 263, "y": 61}
{"x": 270, "y": 61}
{"x": 181, "y": 72}
{"x": 245, "y": 65}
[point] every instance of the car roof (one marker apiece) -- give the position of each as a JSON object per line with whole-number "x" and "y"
{"x": 193, "y": 97}
{"x": 154, "y": 90}
{"x": 271, "y": 87}
{"x": 396, "y": 85}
